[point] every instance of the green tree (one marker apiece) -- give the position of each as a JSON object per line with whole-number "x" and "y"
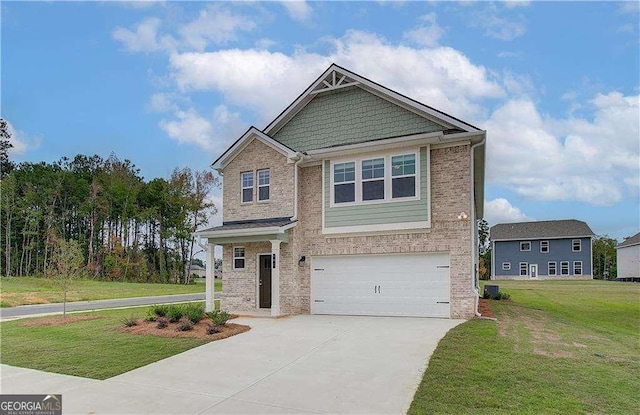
{"x": 5, "y": 145}
{"x": 67, "y": 266}
{"x": 604, "y": 258}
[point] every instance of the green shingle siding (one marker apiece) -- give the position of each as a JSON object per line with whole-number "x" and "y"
{"x": 379, "y": 213}
{"x": 348, "y": 116}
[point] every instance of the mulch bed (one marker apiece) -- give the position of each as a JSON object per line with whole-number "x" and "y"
{"x": 199, "y": 330}
{"x": 484, "y": 308}
{"x": 57, "y": 320}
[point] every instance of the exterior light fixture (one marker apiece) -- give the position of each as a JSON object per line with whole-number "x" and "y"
{"x": 462, "y": 216}
{"x": 302, "y": 261}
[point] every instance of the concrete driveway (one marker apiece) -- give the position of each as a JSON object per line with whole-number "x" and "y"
{"x": 301, "y": 364}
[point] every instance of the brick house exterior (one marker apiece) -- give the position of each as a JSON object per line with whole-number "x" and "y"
{"x": 413, "y": 184}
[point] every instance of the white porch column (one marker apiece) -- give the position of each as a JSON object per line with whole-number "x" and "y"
{"x": 209, "y": 280}
{"x": 275, "y": 278}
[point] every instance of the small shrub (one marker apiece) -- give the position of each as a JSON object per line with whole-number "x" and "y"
{"x": 162, "y": 322}
{"x": 175, "y": 313}
{"x": 151, "y": 316}
{"x": 184, "y": 326}
{"x": 129, "y": 321}
{"x": 500, "y": 296}
{"x": 160, "y": 310}
{"x": 211, "y": 329}
{"x": 194, "y": 312}
{"x": 219, "y": 318}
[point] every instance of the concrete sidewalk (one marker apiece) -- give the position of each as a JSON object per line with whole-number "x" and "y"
{"x": 300, "y": 364}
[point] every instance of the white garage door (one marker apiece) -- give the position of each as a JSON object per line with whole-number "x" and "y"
{"x": 381, "y": 285}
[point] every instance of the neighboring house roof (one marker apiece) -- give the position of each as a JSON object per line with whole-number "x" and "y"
{"x": 630, "y": 241}
{"x": 195, "y": 267}
{"x": 552, "y": 229}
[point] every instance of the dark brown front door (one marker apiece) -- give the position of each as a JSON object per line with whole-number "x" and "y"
{"x": 265, "y": 281}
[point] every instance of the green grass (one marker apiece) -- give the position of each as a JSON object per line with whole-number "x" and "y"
{"x": 557, "y": 347}
{"x": 89, "y": 348}
{"x": 28, "y": 290}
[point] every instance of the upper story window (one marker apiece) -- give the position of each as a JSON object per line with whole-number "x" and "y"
{"x": 544, "y": 246}
{"x": 576, "y": 245}
{"x": 376, "y": 179}
{"x": 264, "y": 181}
{"x": 525, "y": 246}
{"x": 238, "y": 257}
{"x": 247, "y": 187}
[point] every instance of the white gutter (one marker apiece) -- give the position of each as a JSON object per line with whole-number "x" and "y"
{"x": 474, "y": 235}
{"x": 295, "y": 186}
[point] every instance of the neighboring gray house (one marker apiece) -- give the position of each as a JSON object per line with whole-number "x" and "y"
{"x": 555, "y": 249}
{"x": 628, "y": 258}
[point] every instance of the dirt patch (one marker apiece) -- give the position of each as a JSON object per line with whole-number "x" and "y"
{"x": 199, "y": 330}
{"x": 57, "y": 320}
{"x": 484, "y": 308}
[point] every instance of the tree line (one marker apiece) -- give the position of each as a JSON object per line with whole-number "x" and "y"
{"x": 128, "y": 229}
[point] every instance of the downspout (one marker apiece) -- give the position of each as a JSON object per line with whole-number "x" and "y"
{"x": 474, "y": 236}
{"x": 300, "y": 157}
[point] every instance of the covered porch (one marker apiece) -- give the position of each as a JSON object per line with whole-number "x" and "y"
{"x": 251, "y": 263}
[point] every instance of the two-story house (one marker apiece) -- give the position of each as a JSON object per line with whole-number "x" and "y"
{"x": 355, "y": 200}
{"x": 555, "y": 249}
{"x": 628, "y": 258}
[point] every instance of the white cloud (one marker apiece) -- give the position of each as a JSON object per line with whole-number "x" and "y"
{"x": 427, "y": 33}
{"x": 21, "y": 141}
{"x": 497, "y": 25}
{"x": 298, "y": 10}
{"x": 594, "y": 161}
{"x": 629, "y": 7}
{"x": 500, "y": 210}
{"x": 510, "y": 4}
{"x": 267, "y": 81}
{"x": 144, "y": 38}
{"x": 211, "y": 134}
{"x": 214, "y": 24}
{"x": 509, "y": 54}
{"x": 161, "y": 102}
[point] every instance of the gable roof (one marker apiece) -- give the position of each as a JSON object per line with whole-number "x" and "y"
{"x": 552, "y": 229}
{"x": 337, "y": 77}
{"x": 251, "y": 134}
{"x": 630, "y": 241}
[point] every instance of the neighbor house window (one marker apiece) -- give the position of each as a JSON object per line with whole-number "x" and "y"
{"x": 373, "y": 179}
{"x": 264, "y": 180}
{"x": 576, "y": 245}
{"x": 577, "y": 267}
{"x": 247, "y": 187}
{"x": 403, "y": 173}
{"x": 525, "y": 246}
{"x": 564, "y": 268}
{"x": 344, "y": 182}
{"x": 524, "y": 268}
{"x": 544, "y": 246}
{"x": 506, "y": 266}
{"x": 238, "y": 257}
{"x": 553, "y": 270}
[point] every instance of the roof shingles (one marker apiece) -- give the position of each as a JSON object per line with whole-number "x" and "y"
{"x": 567, "y": 228}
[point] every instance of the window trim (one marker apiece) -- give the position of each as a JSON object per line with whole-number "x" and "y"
{"x": 526, "y": 269}
{"x": 268, "y": 185}
{"x": 574, "y": 267}
{"x": 243, "y": 188}
{"x": 525, "y": 242}
{"x": 506, "y": 266}
{"x": 561, "y": 269}
{"x": 555, "y": 268}
{"x": 415, "y": 175}
{"x": 546, "y": 244}
{"x": 375, "y": 179}
{"x": 244, "y": 257}
{"x": 387, "y": 177}
{"x": 573, "y": 245}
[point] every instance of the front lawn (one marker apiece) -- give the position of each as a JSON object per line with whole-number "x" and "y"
{"x": 28, "y": 290}
{"x": 557, "y": 347}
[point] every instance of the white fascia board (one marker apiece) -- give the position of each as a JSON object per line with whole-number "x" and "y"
{"x": 245, "y": 232}
{"x": 239, "y": 145}
{"x": 391, "y": 143}
{"x": 423, "y": 226}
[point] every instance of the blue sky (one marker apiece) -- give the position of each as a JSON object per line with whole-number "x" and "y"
{"x": 169, "y": 84}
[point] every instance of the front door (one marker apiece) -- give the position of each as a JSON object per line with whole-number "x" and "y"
{"x": 533, "y": 270}
{"x": 264, "y": 292}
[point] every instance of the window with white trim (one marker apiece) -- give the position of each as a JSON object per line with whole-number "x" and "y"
{"x": 373, "y": 179}
{"x": 524, "y": 269}
{"x": 577, "y": 267}
{"x": 544, "y": 246}
{"x": 564, "y": 268}
{"x": 506, "y": 266}
{"x": 552, "y": 268}
{"x": 403, "y": 173}
{"x": 525, "y": 246}
{"x": 576, "y": 245}
{"x": 264, "y": 181}
{"x": 247, "y": 187}
{"x": 238, "y": 257}
{"x": 344, "y": 182}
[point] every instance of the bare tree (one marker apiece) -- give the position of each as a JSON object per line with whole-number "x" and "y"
{"x": 67, "y": 266}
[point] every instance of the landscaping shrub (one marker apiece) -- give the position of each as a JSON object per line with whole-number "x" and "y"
{"x": 501, "y": 296}
{"x": 219, "y": 318}
{"x": 151, "y": 316}
{"x": 211, "y": 329}
{"x": 162, "y": 322}
{"x": 175, "y": 313}
{"x": 184, "y": 326}
{"x": 129, "y": 321}
{"x": 194, "y": 312}
{"x": 160, "y": 310}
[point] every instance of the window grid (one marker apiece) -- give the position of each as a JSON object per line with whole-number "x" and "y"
{"x": 403, "y": 171}
{"x": 264, "y": 181}
{"x": 344, "y": 179}
{"x": 506, "y": 266}
{"x": 372, "y": 179}
{"x": 238, "y": 257}
{"x": 552, "y": 268}
{"x": 576, "y": 245}
{"x": 544, "y": 246}
{"x": 525, "y": 246}
{"x": 524, "y": 269}
{"x": 577, "y": 267}
{"x": 564, "y": 268}
{"x": 247, "y": 187}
